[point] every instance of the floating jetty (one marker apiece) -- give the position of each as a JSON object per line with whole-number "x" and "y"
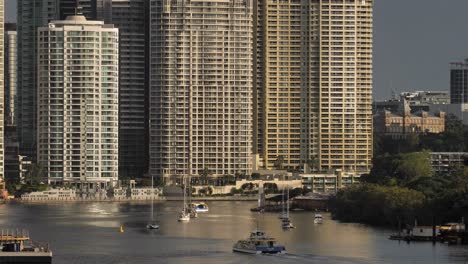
{"x": 17, "y": 247}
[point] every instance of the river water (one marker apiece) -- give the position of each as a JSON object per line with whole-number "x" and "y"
{"x": 89, "y": 233}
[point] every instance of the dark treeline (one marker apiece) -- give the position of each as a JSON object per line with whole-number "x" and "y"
{"x": 402, "y": 186}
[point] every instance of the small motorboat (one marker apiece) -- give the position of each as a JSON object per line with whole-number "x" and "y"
{"x": 318, "y": 219}
{"x": 287, "y": 224}
{"x": 258, "y": 243}
{"x": 152, "y": 226}
{"x": 200, "y": 207}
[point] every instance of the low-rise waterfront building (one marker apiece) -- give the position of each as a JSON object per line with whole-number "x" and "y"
{"x": 60, "y": 194}
{"x": 327, "y": 182}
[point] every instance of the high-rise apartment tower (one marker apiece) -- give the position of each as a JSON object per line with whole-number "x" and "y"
{"x": 31, "y": 15}
{"x": 201, "y": 87}
{"x": 78, "y": 82}
{"x": 459, "y": 82}
{"x": 11, "y": 97}
{"x": 2, "y": 92}
{"x": 313, "y": 83}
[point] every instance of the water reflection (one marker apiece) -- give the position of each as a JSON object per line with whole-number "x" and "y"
{"x": 89, "y": 233}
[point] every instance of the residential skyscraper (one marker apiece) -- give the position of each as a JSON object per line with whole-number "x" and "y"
{"x": 11, "y": 147}
{"x": 2, "y": 92}
{"x": 459, "y": 82}
{"x": 201, "y": 87}
{"x": 314, "y": 83}
{"x": 131, "y": 18}
{"x": 11, "y": 97}
{"x": 31, "y": 15}
{"x": 91, "y": 9}
{"x": 78, "y": 101}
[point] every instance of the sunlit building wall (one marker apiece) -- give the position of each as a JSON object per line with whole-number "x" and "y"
{"x": 313, "y": 89}
{"x": 200, "y": 87}
{"x": 78, "y": 101}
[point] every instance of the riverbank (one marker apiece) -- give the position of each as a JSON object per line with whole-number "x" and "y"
{"x": 160, "y": 198}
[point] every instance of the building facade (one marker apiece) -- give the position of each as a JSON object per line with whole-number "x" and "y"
{"x": 459, "y": 82}
{"x": 91, "y": 9}
{"x": 328, "y": 183}
{"x": 11, "y": 97}
{"x": 201, "y": 87}
{"x": 402, "y": 123}
{"x": 78, "y": 101}
{"x": 426, "y": 97}
{"x": 447, "y": 162}
{"x": 31, "y": 15}
{"x": 2, "y": 92}
{"x": 313, "y": 94}
{"x": 131, "y": 18}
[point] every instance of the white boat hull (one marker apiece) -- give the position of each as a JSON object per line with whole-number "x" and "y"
{"x": 152, "y": 226}
{"x": 255, "y": 252}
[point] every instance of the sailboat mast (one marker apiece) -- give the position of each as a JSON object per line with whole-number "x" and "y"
{"x": 152, "y": 198}
{"x": 287, "y": 204}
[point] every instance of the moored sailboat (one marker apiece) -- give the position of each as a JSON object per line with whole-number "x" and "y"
{"x": 184, "y": 216}
{"x": 152, "y": 224}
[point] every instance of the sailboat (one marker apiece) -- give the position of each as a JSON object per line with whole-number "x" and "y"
{"x": 283, "y": 214}
{"x": 152, "y": 224}
{"x": 184, "y": 216}
{"x": 286, "y": 222}
{"x": 191, "y": 209}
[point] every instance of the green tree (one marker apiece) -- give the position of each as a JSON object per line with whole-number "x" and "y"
{"x": 413, "y": 166}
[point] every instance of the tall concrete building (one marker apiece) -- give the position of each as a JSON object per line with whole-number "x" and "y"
{"x": 31, "y": 15}
{"x": 313, "y": 89}
{"x": 91, "y": 9}
{"x": 459, "y": 82}
{"x": 11, "y": 88}
{"x": 131, "y": 18}
{"x": 11, "y": 147}
{"x": 78, "y": 101}
{"x": 2, "y": 92}
{"x": 201, "y": 87}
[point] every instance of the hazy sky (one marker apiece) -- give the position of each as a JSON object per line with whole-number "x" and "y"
{"x": 414, "y": 42}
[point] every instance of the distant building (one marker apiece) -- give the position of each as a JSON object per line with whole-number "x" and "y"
{"x": 327, "y": 182}
{"x": 24, "y": 167}
{"x": 78, "y": 82}
{"x": 426, "y": 97}
{"x": 459, "y": 82}
{"x": 31, "y": 14}
{"x": 2, "y": 90}
{"x": 11, "y": 97}
{"x": 458, "y": 110}
{"x": 444, "y": 162}
{"x": 401, "y": 123}
{"x": 12, "y": 173}
{"x": 417, "y": 101}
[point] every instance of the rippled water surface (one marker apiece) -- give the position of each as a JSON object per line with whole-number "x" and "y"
{"x": 89, "y": 233}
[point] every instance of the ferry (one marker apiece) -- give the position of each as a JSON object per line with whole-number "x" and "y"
{"x": 200, "y": 207}
{"x": 258, "y": 243}
{"x": 17, "y": 247}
